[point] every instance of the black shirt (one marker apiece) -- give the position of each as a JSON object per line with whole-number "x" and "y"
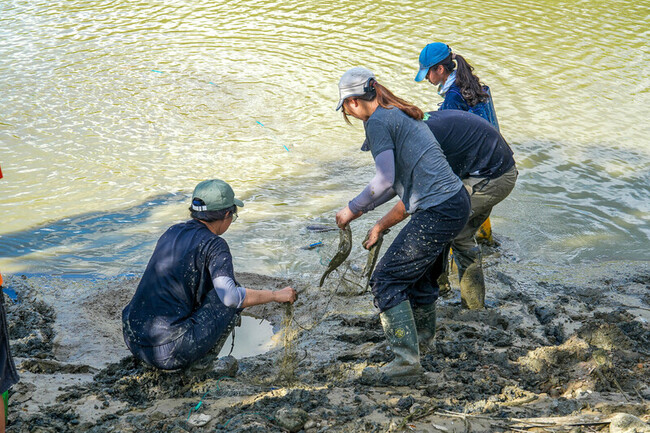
{"x": 186, "y": 259}
{"x": 472, "y": 146}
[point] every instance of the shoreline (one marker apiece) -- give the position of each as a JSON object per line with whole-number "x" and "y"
{"x": 569, "y": 345}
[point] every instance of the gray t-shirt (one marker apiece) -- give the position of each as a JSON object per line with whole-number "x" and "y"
{"x": 423, "y": 178}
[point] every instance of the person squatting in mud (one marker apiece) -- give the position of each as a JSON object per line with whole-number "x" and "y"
{"x": 409, "y": 163}
{"x": 188, "y": 299}
{"x": 479, "y": 155}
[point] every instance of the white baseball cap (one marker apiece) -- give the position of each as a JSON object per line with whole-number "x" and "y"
{"x": 354, "y": 82}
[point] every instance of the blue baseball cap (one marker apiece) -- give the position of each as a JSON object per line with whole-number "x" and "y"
{"x": 430, "y": 55}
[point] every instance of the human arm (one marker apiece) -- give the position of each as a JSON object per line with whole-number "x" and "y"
{"x": 394, "y": 216}
{"x": 380, "y": 189}
{"x": 257, "y": 297}
{"x": 377, "y": 192}
{"x": 235, "y": 296}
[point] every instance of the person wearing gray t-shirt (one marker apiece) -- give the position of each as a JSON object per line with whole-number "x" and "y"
{"x": 409, "y": 163}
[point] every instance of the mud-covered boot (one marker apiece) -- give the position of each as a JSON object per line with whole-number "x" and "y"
{"x": 443, "y": 278}
{"x": 401, "y": 333}
{"x": 425, "y": 323}
{"x": 472, "y": 283}
{"x": 444, "y": 285}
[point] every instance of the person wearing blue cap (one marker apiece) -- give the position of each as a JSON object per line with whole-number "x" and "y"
{"x": 461, "y": 90}
{"x": 479, "y": 155}
{"x": 409, "y": 163}
{"x": 188, "y": 299}
{"x": 456, "y": 82}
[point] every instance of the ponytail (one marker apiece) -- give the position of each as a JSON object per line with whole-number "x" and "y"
{"x": 385, "y": 99}
{"x": 470, "y": 87}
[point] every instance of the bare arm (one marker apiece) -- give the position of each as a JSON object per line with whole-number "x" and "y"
{"x": 257, "y": 297}
{"x": 394, "y": 216}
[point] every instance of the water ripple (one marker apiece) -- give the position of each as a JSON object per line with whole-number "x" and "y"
{"x": 89, "y": 126}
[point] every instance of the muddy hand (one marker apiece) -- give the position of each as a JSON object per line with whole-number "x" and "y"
{"x": 372, "y": 237}
{"x": 373, "y": 254}
{"x": 287, "y": 294}
{"x": 345, "y": 215}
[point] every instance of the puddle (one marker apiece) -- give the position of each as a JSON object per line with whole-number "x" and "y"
{"x": 253, "y": 337}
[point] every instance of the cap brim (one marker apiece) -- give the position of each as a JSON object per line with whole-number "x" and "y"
{"x": 338, "y": 107}
{"x": 422, "y": 73}
{"x": 238, "y": 202}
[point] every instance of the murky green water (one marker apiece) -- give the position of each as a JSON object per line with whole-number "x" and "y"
{"x": 113, "y": 111}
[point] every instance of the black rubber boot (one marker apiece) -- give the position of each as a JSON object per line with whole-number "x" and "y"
{"x": 425, "y": 323}
{"x": 401, "y": 333}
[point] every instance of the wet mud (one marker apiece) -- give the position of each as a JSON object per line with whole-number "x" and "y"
{"x": 548, "y": 354}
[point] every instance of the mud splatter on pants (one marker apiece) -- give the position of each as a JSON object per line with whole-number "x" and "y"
{"x": 205, "y": 328}
{"x": 412, "y": 264}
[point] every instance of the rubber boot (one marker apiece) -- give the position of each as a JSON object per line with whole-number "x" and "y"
{"x": 425, "y": 323}
{"x": 443, "y": 280}
{"x": 472, "y": 283}
{"x": 444, "y": 285}
{"x": 484, "y": 233}
{"x": 401, "y": 333}
{"x": 472, "y": 288}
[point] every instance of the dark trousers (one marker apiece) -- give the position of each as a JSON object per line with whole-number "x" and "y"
{"x": 210, "y": 325}
{"x": 8, "y": 374}
{"x": 412, "y": 264}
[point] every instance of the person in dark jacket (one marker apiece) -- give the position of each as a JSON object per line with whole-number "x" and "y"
{"x": 188, "y": 299}
{"x": 479, "y": 155}
{"x": 456, "y": 82}
{"x": 461, "y": 90}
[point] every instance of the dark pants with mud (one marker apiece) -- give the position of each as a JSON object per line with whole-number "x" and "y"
{"x": 412, "y": 264}
{"x": 209, "y": 328}
{"x": 8, "y": 373}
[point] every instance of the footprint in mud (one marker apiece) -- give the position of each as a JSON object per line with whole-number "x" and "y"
{"x": 358, "y": 321}
{"x": 48, "y": 366}
{"x": 362, "y": 336}
{"x": 616, "y": 330}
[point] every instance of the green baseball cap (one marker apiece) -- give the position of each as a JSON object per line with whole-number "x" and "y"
{"x": 213, "y": 194}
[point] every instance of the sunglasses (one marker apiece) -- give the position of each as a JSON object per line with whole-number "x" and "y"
{"x": 233, "y": 215}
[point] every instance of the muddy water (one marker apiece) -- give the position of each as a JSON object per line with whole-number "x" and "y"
{"x": 112, "y": 112}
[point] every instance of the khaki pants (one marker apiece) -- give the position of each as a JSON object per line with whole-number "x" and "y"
{"x": 484, "y": 195}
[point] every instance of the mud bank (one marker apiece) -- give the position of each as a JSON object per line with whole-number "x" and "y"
{"x": 559, "y": 350}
